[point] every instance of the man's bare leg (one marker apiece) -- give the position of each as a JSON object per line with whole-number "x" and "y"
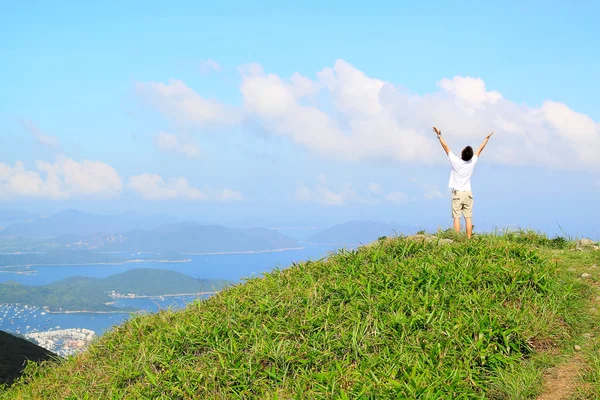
{"x": 469, "y": 227}
{"x": 457, "y": 225}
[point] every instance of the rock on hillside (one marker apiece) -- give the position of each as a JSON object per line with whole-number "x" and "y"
{"x": 14, "y": 352}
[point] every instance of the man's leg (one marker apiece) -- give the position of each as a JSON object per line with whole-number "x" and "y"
{"x": 469, "y": 227}
{"x": 456, "y": 210}
{"x": 468, "y": 212}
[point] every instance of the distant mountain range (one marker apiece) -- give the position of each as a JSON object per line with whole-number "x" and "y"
{"x": 359, "y": 232}
{"x": 8, "y": 217}
{"x": 73, "y": 222}
{"x": 184, "y": 237}
{"x": 14, "y": 351}
{"x": 163, "y": 234}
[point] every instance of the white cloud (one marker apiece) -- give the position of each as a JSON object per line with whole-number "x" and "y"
{"x": 43, "y": 138}
{"x": 185, "y": 106}
{"x": 321, "y": 193}
{"x": 63, "y": 179}
{"x": 430, "y": 191}
{"x": 154, "y": 187}
{"x": 346, "y": 115}
{"x": 228, "y": 195}
{"x": 470, "y": 90}
{"x": 209, "y": 65}
{"x": 433, "y": 193}
{"x": 172, "y": 143}
{"x": 397, "y": 197}
{"x": 304, "y": 193}
{"x": 375, "y": 188}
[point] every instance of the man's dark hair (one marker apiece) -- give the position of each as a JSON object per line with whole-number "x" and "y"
{"x": 467, "y": 154}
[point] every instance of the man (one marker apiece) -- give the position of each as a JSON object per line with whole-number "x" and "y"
{"x": 460, "y": 181}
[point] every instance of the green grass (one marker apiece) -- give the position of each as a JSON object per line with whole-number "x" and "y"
{"x": 397, "y": 319}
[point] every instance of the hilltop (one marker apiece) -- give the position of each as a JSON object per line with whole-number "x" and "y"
{"x": 421, "y": 317}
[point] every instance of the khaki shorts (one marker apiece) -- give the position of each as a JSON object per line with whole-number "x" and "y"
{"x": 462, "y": 202}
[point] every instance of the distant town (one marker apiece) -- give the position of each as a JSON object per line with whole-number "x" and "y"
{"x": 64, "y": 342}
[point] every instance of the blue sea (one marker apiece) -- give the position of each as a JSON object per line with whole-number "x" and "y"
{"x": 16, "y": 318}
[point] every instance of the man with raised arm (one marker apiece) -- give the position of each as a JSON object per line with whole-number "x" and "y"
{"x": 460, "y": 181}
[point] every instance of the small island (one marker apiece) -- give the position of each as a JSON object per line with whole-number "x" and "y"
{"x": 83, "y": 294}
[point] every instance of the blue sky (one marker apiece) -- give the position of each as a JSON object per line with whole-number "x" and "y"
{"x": 308, "y": 113}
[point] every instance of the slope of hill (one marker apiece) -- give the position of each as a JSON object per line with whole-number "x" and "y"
{"x": 401, "y": 318}
{"x": 14, "y": 352}
{"x": 92, "y": 294}
{"x": 72, "y": 222}
{"x": 358, "y": 232}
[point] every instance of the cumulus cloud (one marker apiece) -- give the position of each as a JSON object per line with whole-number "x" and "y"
{"x": 172, "y": 143}
{"x": 41, "y": 137}
{"x": 322, "y": 193}
{"x": 375, "y": 188}
{"x": 208, "y": 66}
{"x": 344, "y": 114}
{"x": 63, "y": 179}
{"x": 430, "y": 191}
{"x": 182, "y": 104}
{"x": 154, "y": 187}
{"x": 397, "y": 197}
{"x": 227, "y": 195}
{"x": 433, "y": 193}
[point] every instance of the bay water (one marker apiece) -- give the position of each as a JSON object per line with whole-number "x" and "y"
{"x": 17, "y": 318}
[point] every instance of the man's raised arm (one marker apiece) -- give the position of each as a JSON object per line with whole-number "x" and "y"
{"x": 480, "y": 149}
{"x": 442, "y": 142}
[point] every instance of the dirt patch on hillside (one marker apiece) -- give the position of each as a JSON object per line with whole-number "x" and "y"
{"x": 561, "y": 381}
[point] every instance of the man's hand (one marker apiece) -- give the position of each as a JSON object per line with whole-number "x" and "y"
{"x": 478, "y": 152}
{"x": 439, "y": 136}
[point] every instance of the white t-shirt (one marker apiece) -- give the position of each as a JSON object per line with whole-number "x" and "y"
{"x": 460, "y": 176}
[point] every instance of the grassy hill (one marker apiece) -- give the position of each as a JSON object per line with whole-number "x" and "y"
{"x": 401, "y": 318}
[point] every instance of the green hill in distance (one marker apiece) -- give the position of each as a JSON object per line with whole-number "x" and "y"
{"x": 92, "y": 294}
{"x": 422, "y": 317}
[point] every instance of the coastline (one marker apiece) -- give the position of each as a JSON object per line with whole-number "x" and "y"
{"x": 17, "y": 272}
{"x": 245, "y": 252}
{"x": 141, "y": 260}
{"x": 139, "y": 296}
{"x": 93, "y": 312}
{"x": 86, "y": 264}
